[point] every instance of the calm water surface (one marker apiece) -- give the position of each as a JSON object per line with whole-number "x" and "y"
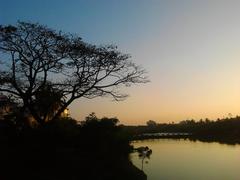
{"x": 188, "y": 160}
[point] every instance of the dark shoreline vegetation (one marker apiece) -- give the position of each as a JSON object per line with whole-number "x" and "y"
{"x": 226, "y": 130}
{"x": 95, "y": 149}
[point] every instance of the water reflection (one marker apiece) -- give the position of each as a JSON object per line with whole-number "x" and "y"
{"x": 184, "y": 159}
{"x": 143, "y": 153}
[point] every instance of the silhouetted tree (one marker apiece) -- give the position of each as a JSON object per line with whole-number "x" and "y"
{"x": 151, "y": 123}
{"x": 35, "y": 56}
{"x": 47, "y": 102}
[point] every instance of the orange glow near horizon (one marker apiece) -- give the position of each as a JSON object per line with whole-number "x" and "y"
{"x": 189, "y": 94}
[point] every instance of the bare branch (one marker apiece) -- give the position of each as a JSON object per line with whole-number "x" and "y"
{"x": 43, "y": 60}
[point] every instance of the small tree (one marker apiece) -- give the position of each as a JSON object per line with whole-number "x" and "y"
{"x": 34, "y": 57}
{"x": 151, "y": 123}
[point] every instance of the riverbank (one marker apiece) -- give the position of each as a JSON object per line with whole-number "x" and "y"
{"x": 161, "y": 135}
{"x": 64, "y": 164}
{"x": 95, "y": 150}
{"x": 226, "y": 139}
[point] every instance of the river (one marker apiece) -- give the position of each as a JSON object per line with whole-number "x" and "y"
{"x": 174, "y": 159}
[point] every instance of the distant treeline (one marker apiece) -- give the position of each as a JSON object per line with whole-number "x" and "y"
{"x": 226, "y": 127}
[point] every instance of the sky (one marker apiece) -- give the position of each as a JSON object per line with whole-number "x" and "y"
{"x": 190, "y": 49}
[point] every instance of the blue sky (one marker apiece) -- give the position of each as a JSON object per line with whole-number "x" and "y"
{"x": 97, "y": 21}
{"x": 189, "y": 48}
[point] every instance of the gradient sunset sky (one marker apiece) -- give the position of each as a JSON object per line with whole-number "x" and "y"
{"x": 190, "y": 48}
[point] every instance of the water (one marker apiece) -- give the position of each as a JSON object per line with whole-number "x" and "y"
{"x": 189, "y": 160}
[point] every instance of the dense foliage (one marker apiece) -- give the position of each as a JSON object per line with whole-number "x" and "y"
{"x": 95, "y": 149}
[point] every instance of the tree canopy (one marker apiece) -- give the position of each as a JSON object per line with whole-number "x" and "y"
{"x": 151, "y": 123}
{"x": 36, "y": 59}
